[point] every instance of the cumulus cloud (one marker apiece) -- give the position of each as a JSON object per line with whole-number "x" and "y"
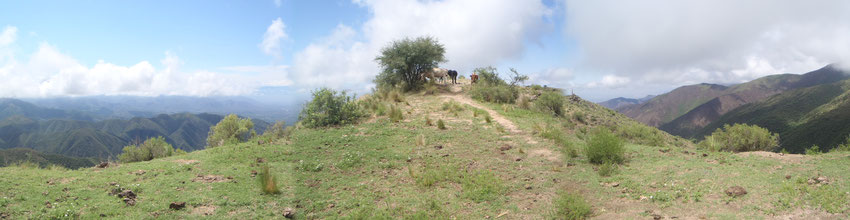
{"x": 49, "y": 73}
{"x": 8, "y": 35}
{"x": 553, "y": 77}
{"x": 475, "y": 33}
{"x": 272, "y": 38}
{"x": 610, "y": 82}
{"x": 723, "y": 41}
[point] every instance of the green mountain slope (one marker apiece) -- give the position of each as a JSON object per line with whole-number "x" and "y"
{"x": 803, "y": 117}
{"x": 688, "y": 124}
{"x": 669, "y": 106}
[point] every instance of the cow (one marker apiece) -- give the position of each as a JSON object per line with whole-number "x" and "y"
{"x": 453, "y": 75}
{"x": 435, "y": 73}
{"x": 473, "y": 77}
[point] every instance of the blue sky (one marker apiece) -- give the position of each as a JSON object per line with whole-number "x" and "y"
{"x": 600, "y": 49}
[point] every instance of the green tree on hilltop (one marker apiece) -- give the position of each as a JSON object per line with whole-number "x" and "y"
{"x": 404, "y": 61}
{"x": 230, "y": 130}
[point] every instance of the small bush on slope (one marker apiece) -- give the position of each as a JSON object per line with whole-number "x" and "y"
{"x": 329, "y": 108}
{"x": 230, "y": 130}
{"x": 268, "y": 183}
{"x": 150, "y": 149}
{"x": 741, "y": 138}
{"x": 570, "y": 206}
{"x": 605, "y": 147}
{"x": 551, "y": 102}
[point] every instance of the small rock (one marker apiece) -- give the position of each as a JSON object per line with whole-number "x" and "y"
{"x": 331, "y": 205}
{"x": 288, "y": 212}
{"x": 518, "y": 159}
{"x": 3, "y": 215}
{"x": 788, "y": 177}
{"x": 261, "y": 160}
{"x": 253, "y": 173}
{"x": 506, "y": 147}
{"x": 664, "y": 150}
{"x": 261, "y": 142}
{"x": 113, "y": 183}
{"x": 614, "y": 184}
{"x": 138, "y": 172}
{"x": 445, "y": 155}
{"x": 177, "y": 205}
{"x": 102, "y": 165}
{"x": 781, "y": 154}
{"x": 656, "y": 216}
{"x": 822, "y": 179}
{"x": 812, "y": 181}
{"x": 127, "y": 194}
{"x": 528, "y": 187}
{"x": 50, "y": 182}
{"x": 642, "y": 198}
{"x": 438, "y": 147}
{"x": 48, "y": 205}
{"x": 102, "y": 215}
{"x": 736, "y": 191}
{"x": 704, "y": 155}
{"x": 130, "y": 202}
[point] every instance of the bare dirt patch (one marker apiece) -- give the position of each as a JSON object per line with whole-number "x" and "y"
{"x": 543, "y": 152}
{"x": 787, "y": 158}
{"x": 204, "y": 210}
{"x": 187, "y": 162}
{"x": 211, "y": 178}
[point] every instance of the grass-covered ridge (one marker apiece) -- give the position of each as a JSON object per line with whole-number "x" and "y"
{"x": 517, "y": 166}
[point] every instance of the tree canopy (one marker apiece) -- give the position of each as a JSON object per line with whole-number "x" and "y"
{"x": 404, "y": 61}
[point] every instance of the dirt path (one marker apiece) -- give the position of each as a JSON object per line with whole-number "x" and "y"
{"x": 457, "y": 95}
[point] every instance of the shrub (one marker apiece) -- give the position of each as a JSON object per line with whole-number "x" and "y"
{"x": 842, "y": 147}
{"x": 523, "y": 102}
{"x": 489, "y": 76}
{"x": 606, "y": 169}
{"x": 578, "y": 116}
{"x": 571, "y": 206}
{"x": 329, "y": 108}
{"x": 551, "y": 102}
{"x": 488, "y": 119}
{"x": 740, "y": 138}
{"x": 268, "y": 183}
{"x": 641, "y": 134}
{"x": 230, "y": 130}
{"x": 441, "y": 125}
{"x": 395, "y": 114}
{"x": 395, "y": 95}
{"x": 151, "y": 149}
{"x": 482, "y": 186}
{"x": 494, "y": 93}
{"x": 278, "y": 130}
{"x": 813, "y": 150}
{"x": 605, "y": 147}
{"x": 420, "y": 140}
{"x": 452, "y": 106}
{"x": 428, "y": 121}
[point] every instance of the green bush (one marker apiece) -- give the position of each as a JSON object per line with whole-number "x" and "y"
{"x": 740, "y": 138}
{"x": 489, "y": 76}
{"x": 230, "y": 130}
{"x": 641, "y": 134}
{"x": 813, "y": 150}
{"x": 278, "y": 130}
{"x": 842, "y": 147}
{"x": 151, "y": 149}
{"x": 494, "y": 93}
{"x": 606, "y": 169}
{"x": 578, "y": 116}
{"x": 395, "y": 114}
{"x": 329, "y": 108}
{"x": 551, "y": 102}
{"x": 268, "y": 183}
{"x": 571, "y": 206}
{"x": 605, "y": 147}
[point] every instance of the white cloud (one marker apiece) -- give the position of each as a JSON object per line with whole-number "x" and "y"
{"x": 610, "y": 82}
{"x": 48, "y": 73}
{"x": 475, "y": 33}
{"x": 271, "y": 39}
{"x": 8, "y": 36}
{"x": 725, "y": 41}
{"x": 560, "y": 77}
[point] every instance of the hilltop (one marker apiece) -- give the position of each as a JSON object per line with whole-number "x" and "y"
{"x": 491, "y": 161}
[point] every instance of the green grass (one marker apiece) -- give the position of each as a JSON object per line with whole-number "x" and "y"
{"x": 571, "y": 206}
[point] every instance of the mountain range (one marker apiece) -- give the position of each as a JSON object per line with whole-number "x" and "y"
{"x": 622, "y": 102}
{"x": 78, "y": 134}
{"x": 696, "y": 110}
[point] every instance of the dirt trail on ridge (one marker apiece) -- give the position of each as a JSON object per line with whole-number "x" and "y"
{"x": 456, "y": 94}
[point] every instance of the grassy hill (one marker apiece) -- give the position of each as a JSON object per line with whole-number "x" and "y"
{"x": 515, "y": 165}
{"x": 804, "y": 117}
{"x": 16, "y": 156}
{"x": 669, "y": 106}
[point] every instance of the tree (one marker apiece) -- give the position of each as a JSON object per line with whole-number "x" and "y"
{"x": 404, "y": 61}
{"x": 152, "y": 148}
{"x": 517, "y": 78}
{"x": 230, "y": 130}
{"x": 328, "y": 108}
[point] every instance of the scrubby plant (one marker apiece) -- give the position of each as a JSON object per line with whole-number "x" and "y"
{"x": 403, "y": 62}
{"x": 152, "y": 148}
{"x": 523, "y": 102}
{"x": 570, "y": 206}
{"x": 278, "y": 130}
{"x": 396, "y": 95}
{"x": 452, "y": 106}
{"x": 268, "y": 183}
{"x": 329, "y": 108}
{"x": 842, "y": 147}
{"x": 740, "y": 138}
{"x": 395, "y": 114}
{"x": 441, "y": 125}
{"x": 551, "y": 102}
{"x": 494, "y": 93}
{"x": 607, "y": 169}
{"x": 579, "y": 117}
{"x": 605, "y": 147}
{"x": 231, "y": 130}
{"x": 420, "y": 140}
{"x": 488, "y": 119}
{"x": 428, "y": 121}
{"x": 641, "y": 134}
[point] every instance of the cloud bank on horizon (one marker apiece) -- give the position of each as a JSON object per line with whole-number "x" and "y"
{"x": 614, "y": 48}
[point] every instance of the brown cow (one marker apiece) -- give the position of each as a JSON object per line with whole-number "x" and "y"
{"x": 473, "y": 77}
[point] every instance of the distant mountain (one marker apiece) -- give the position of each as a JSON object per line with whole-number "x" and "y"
{"x": 14, "y": 156}
{"x": 688, "y": 124}
{"x": 126, "y": 107}
{"x": 15, "y": 107}
{"x": 621, "y": 102}
{"x": 802, "y": 117}
{"x": 105, "y": 139}
{"x": 669, "y": 106}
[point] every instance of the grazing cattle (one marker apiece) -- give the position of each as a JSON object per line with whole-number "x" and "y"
{"x": 435, "y": 73}
{"x": 453, "y": 75}
{"x": 473, "y": 77}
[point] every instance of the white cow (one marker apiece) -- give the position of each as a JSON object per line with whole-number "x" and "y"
{"x": 436, "y": 73}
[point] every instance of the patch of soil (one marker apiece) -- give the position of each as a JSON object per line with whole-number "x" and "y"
{"x": 187, "y": 162}
{"x": 786, "y": 158}
{"x": 543, "y": 152}
{"x": 736, "y": 191}
{"x": 204, "y": 210}
{"x": 177, "y": 205}
{"x": 211, "y": 178}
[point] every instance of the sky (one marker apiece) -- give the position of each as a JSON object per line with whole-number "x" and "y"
{"x": 283, "y": 49}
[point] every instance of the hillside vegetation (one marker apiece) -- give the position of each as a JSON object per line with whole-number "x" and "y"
{"x": 491, "y": 160}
